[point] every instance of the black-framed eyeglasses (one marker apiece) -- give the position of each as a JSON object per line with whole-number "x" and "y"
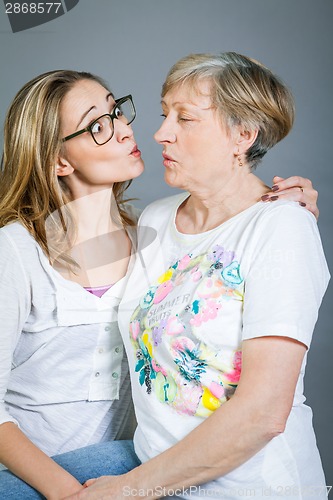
{"x": 102, "y": 129}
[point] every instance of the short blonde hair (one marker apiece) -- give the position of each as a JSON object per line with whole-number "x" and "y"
{"x": 244, "y": 92}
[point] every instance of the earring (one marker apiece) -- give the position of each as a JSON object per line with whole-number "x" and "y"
{"x": 239, "y": 159}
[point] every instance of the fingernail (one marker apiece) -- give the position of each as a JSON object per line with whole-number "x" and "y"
{"x": 275, "y": 188}
{"x": 302, "y": 204}
{"x": 265, "y": 197}
{"x": 274, "y": 198}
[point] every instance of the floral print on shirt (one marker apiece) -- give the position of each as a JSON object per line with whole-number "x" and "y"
{"x": 175, "y": 359}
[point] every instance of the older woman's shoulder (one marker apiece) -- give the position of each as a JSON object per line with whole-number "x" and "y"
{"x": 284, "y": 210}
{"x": 162, "y": 208}
{"x": 284, "y": 220}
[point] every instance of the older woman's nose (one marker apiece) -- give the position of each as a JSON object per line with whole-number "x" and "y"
{"x": 165, "y": 133}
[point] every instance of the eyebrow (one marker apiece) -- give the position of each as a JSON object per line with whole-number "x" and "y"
{"x": 183, "y": 104}
{"x": 176, "y": 103}
{"x": 90, "y": 109}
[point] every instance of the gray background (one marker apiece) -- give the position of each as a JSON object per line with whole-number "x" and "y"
{"x": 132, "y": 44}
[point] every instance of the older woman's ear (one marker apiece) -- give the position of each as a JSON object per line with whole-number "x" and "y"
{"x": 245, "y": 139}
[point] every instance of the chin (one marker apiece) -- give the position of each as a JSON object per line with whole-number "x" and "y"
{"x": 172, "y": 180}
{"x": 140, "y": 168}
{"x": 133, "y": 172}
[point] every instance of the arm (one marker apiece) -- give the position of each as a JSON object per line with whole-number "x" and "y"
{"x": 29, "y": 463}
{"x": 295, "y": 189}
{"x": 17, "y": 452}
{"x": 259, "y": 410}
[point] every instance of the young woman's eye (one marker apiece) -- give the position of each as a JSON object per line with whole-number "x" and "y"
{"x": 163, "y": 116}
{"x": 118, "y": 112}
{"x": 97, "y": 127}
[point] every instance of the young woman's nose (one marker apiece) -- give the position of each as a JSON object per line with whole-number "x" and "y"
{"x": 122, "y": 130}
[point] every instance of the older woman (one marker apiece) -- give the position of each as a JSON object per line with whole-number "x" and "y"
{"x": 220, "y": 308}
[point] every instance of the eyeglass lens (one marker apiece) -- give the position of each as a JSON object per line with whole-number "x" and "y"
{"x": 102, "y": 128}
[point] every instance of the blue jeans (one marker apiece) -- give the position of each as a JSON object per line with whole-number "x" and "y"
{"x": 108, "y": 458}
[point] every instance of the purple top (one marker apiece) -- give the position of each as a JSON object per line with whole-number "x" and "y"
{"x": 98, "y": 290}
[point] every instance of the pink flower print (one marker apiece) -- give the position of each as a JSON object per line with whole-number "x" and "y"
{"x": 216, "y": 389}
{"x": 184, "y": 262}
{"x": 157, "y": 368}
{"x": 182, "y": 344}
{"x": 210, "y": 310}
{"x": 209, "y": 283}
{"x": 196, "y": 274}
{"x": 163, "y": 290}
{"x": 188, "y": 396}
{"x": 174, "y": 326}
{"x": 238, "y": 360}
{"x": 196, "y": 320}
{"x": 135, "y": 329}
{"x": 234, "y": 376}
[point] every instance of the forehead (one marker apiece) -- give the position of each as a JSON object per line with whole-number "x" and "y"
{"x": 194, "y": 94}
{"x": 83, "y": 95}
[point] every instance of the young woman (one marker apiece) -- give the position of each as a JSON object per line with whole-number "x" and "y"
{"x": 65, "y": 247}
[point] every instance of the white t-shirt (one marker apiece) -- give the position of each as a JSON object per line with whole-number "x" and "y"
{"x": 190, "y": 302}
{"x": 63, "y": 371}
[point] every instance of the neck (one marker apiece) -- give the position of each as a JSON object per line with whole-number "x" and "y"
{"x": 101, "y": 248}
{"x": 92, "y": 213}
{"x": 207, "y": 208}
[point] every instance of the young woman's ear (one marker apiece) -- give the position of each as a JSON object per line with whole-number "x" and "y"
{"x": 63, "y": 167}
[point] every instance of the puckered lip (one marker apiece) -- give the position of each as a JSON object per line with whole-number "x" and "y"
{"x": 167, "y": 157}
{"x": 134, "y": 149}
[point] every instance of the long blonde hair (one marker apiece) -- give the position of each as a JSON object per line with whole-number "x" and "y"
{"x": 30, "y": 191}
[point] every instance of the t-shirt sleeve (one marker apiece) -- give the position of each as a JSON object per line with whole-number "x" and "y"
{"x": 14, "y": 310}
{"x": 285, "y": 277}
